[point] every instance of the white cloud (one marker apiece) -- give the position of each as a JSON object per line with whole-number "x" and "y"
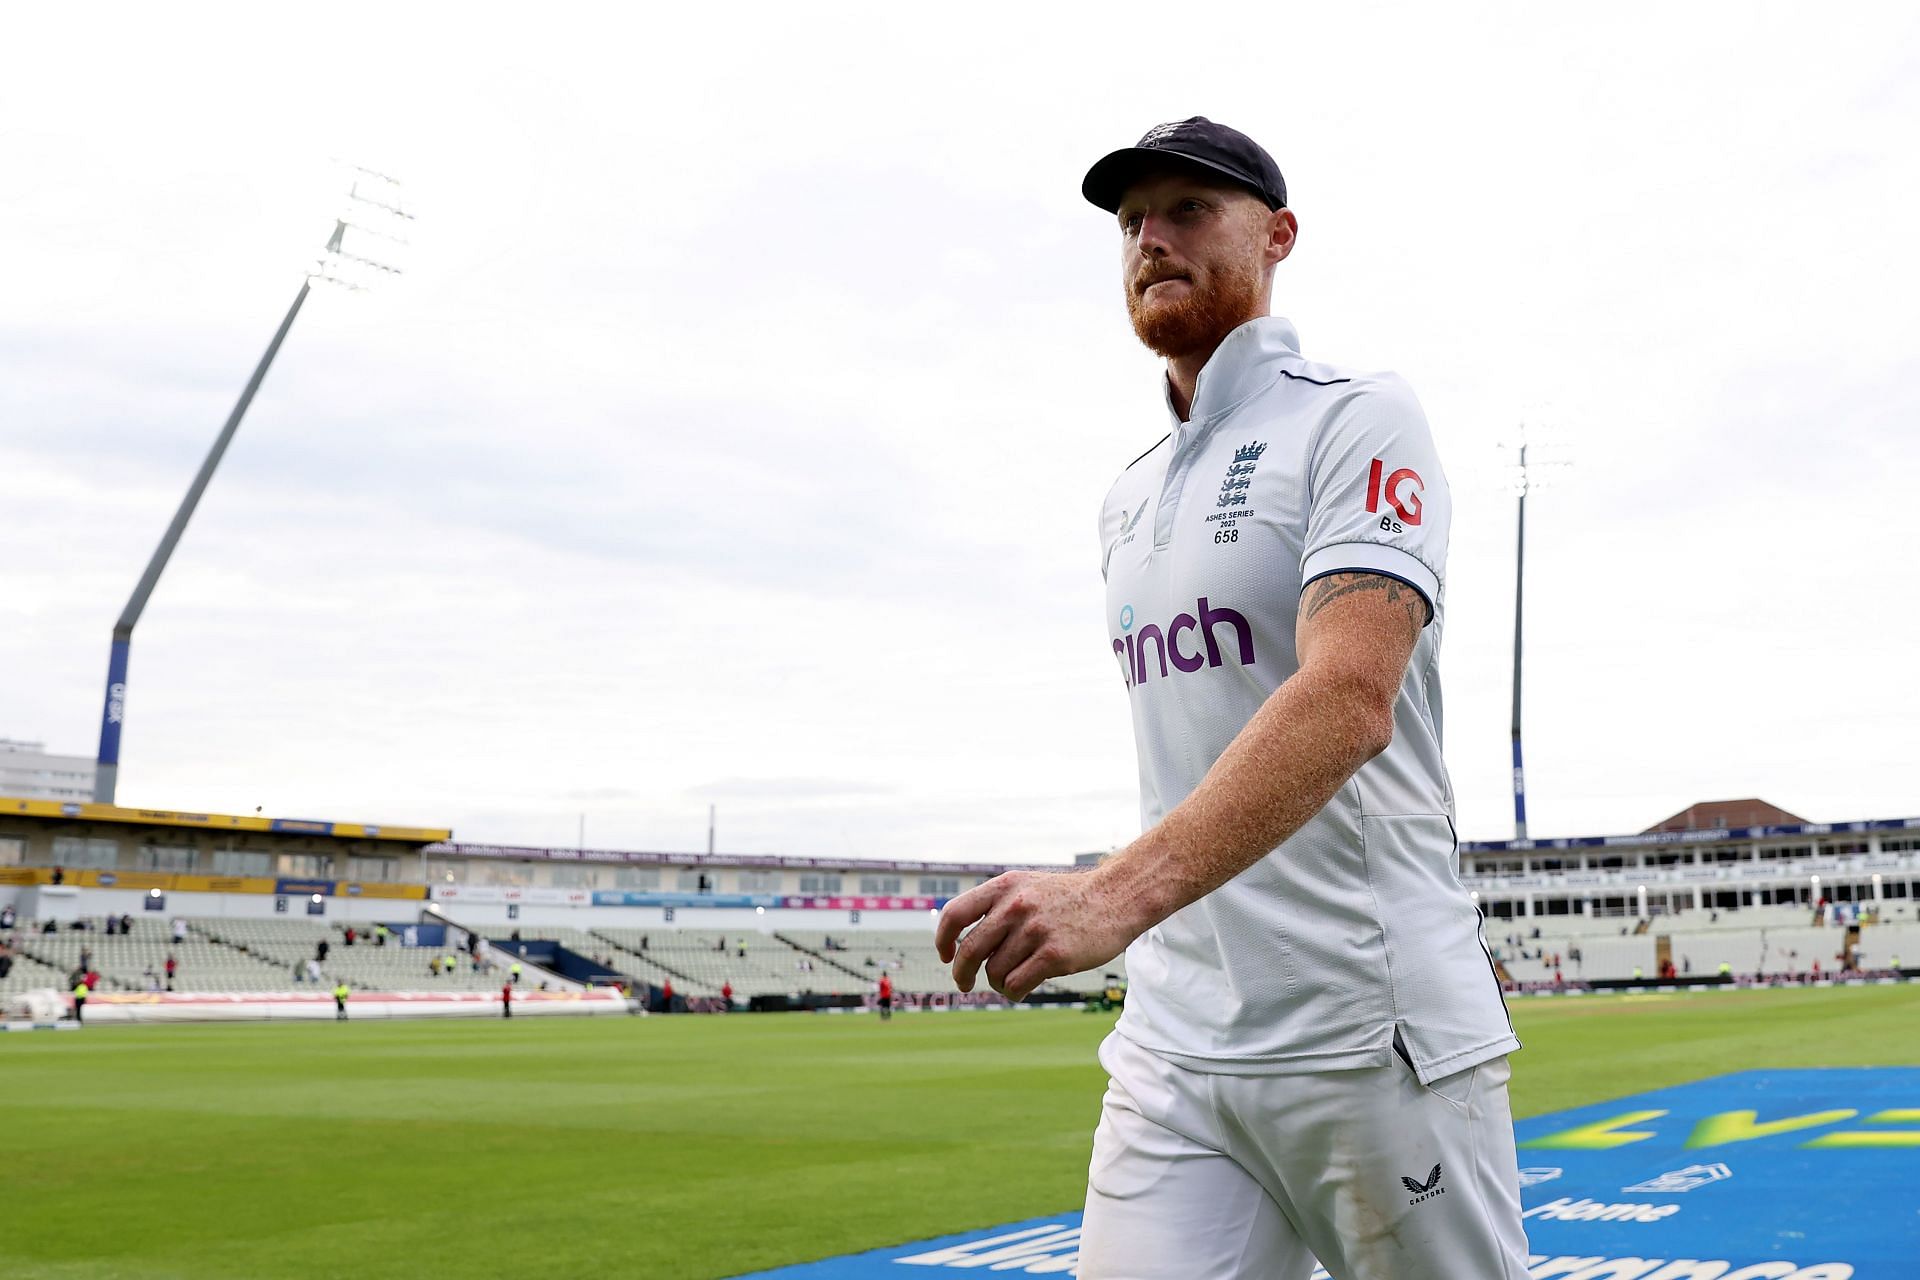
{"x": 743, "y": 417}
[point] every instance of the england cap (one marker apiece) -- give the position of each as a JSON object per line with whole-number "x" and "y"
{"x": 1194, "y": 142}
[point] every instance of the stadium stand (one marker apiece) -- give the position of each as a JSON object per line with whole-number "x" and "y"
{"x": 770, "y": 966}
{"x": 285, "y": 944}
{"x": 910, "y": 958}
{"x": 581, "y": 942}
{"x": 28, "y": 974}
{"x": 125, "y": 960}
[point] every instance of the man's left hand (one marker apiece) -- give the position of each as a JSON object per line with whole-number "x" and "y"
{"x": 1033, "y": 925}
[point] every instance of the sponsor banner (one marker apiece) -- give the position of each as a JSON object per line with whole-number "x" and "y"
{"x": 304, "y": 1006}
{"x": 351, "y": 889}
{"x": 1761, "y": 1175}
{"x": 512, "y": 893}
{"x": 121, "y": 879}
{"x": 626, "y": 898}
{"x": 834, "y": 903}
{"x": 291, "y": 886}
{"x": 221, "y": 821}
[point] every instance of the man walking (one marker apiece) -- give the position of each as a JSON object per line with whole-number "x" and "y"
{"x": 1312, "y": 1056}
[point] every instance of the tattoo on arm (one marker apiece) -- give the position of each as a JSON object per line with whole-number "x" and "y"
{"x": 1324, "y": 591}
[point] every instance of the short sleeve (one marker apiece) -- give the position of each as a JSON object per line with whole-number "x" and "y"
{"x": 1378, "y": 501}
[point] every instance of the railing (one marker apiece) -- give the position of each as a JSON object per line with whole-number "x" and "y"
{"x": 1796, "y": 871}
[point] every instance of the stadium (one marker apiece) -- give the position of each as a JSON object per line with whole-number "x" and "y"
{"x": 1649, "y": 964}
{"x": 811, "y": 647}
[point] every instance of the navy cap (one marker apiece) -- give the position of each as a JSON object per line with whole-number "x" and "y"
{"x": 1194, "y": 142}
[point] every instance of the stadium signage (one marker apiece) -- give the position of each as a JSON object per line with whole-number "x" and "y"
{"x": 1799, "y": 1205}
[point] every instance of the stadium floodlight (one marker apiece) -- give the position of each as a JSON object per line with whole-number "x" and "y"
{"x": 365, "y": 232}
{"x": 1524, "y": 476}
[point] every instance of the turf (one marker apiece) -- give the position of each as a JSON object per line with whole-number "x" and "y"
{"x": 693, "y": 1147}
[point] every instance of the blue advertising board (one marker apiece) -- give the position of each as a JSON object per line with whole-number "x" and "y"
{"x": 1760, "y": 1175}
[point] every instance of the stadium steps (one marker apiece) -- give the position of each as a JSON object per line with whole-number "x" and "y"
{"x": 29, "y": 974}
{"x": 694, "y": 985}
{"x": 822, "y": 957}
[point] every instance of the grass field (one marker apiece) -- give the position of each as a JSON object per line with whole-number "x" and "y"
{"x": 664, "y": 1148}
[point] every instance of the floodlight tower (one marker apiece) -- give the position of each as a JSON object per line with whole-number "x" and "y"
{"x": 373, "y": 211}
{"x": 1527, "y": 479}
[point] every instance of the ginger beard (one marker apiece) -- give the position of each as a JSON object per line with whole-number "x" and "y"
{"x": 1220, "y": 297}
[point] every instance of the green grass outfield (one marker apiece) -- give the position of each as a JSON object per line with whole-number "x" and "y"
{"x": 663, "y": 1148}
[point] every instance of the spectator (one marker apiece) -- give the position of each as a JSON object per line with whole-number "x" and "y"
{"x": 433, "y": 968}
{"x": 666, "y": 996}
{"x": 515, "y": 936}
{"x": 321, "y": 949}
{"x": 726, "y": 992}
{"x": 348, "y": 938}
{"x": 86, "y": 956}
{"x": 172, "y": 965}
{"x": 50, "y": 926}
{"x": 153, "y": 979}
{"x": 93, "y": 979}
{"x": 179, "y": 929}
{"x": 379, "y": 935}
{"x": 299, "y": 973}
{"x": 313, "y": 971}
{"x": 126, "y": 923}
{"x": 59, "y": 875}
{"x": 7, "y": 916}
{"x": 743, "y": 948}
{"x": 113, "y": 925}
{"x": 643, "y": 942}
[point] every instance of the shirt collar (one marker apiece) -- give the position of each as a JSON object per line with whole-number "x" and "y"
{"x": 1238, "y": 367}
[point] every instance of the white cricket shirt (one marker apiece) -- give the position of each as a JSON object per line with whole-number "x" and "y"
{"x": 1357, "y": 926}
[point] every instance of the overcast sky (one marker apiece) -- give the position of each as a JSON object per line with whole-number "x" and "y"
{"x": 738, "y": 432}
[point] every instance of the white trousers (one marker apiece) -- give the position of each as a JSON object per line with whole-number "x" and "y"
{"x": 1200, "y": 1176}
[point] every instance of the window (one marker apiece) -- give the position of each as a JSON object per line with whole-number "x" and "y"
{"x": 310, "y": 865}
{"x": 879, "y": 884}
{"x": 695, "y": 882}
{"x": 373, "y": 869}
{"x": 13, "y": 851}
{"x": 819, "y": 884}
{"x": 446, "y": 871}
{"x": 236, "y": 862}
{"x": 759, "y": 881}
{"x": 939, "y": 886}
{"x": 86, "y": 851}
{"x": 636, "y": 878}
{"x": 167, "y": 857}
{"x": 574, "y": 877}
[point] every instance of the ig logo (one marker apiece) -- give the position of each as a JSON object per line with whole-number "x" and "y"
{"x": 1402, "y": 491}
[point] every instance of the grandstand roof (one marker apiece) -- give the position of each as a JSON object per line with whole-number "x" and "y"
{"x": 1708, "y": 815}
{"x": 70, "y": 811}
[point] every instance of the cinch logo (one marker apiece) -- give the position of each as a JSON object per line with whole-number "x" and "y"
{"x": 1132, "y": 648}
{"x": 1405, "y": 505}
